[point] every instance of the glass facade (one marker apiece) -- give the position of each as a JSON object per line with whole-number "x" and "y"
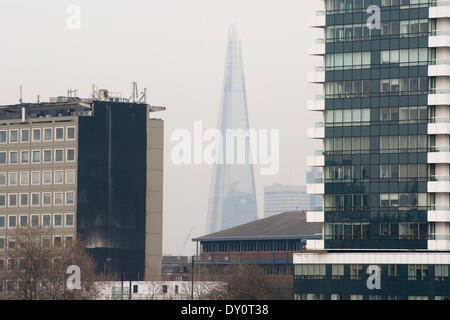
{"x": 377, "y": 145}
{"x": 376, "y": 115}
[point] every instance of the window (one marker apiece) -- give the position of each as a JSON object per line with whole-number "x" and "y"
{"x": 417, "y": 271}
{"x": 46, "y": 220}
{"x": 70, "y": 176}
{"x": 13, "y": 157}
{"x": 12, "y": 200}
{"x": 36, "y": 154}
{"x": 35, "y": 178}
{"x": 59, "y": 177}
{"x": 25, "y": 135}
{"x": 337, "y": 271}
{"x": 35, "y": 199}
{"x": 35, "y": 220}
{"x": 69, "y": 220}
{"x": 46, "y": 198}
{"x": 23, "y": 221}
{"x": 310, "y": 271}
{"x": 3, "y": 136}
{"x": 69, "y": 241}
{"x": 25, "y": 156}
{"x": 57, "y": 241}
{"x": 2, "y": 179}
{"x": 59, "y": 155}
{"x": 36, "y": 135}
{"x": 70, "y": 155}
{"x": 58, "y": 198}
{"x": 3, "y": 157}
{"x": 70, "y": 133}
{"x": 2, "y": 246}
{"x": 2, "y": 222}
{"x": 48, "y": 156}
{"x": 2, "y": 200}
{"x": 13, "y": 136}
{"x": 24, "y": 200}
{"x": 48, "y": 134}
{"x": 441, "y": 272}
{"x": 70, "y": 195}
{"x": 356, "y": 272}
{"x": 59, "y": 134}
{"x": 57, "y": 220}
{"x": 12, "y": 221}
{"x": 24, "y": 178}
{"x": 47, "y": 177}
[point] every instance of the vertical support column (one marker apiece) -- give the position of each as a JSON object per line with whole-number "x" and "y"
{"x": 154, "y": 196}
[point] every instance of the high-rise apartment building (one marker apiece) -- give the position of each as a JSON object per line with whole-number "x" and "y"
{"x": 315, "y": 200}
{"x": 90, "y": 169}
{"x": 386, "y": 155}
{"x": 284, "y": 198}
{"x": 233, "y": 198}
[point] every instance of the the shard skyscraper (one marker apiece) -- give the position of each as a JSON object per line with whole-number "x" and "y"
{"x": 233, "y": 198}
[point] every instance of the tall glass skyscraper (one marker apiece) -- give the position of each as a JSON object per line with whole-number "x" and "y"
{"x": 386, "y": 155}
{"x": 233, "y": 198}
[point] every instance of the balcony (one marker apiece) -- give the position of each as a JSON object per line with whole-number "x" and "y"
{"x": 439, "y": 245}
{"x": 439, "y": 9}
{"x": 439, "y": 97}
{"x": 317, "y": 160}
{"x": 317, "y": 76}
{"x": 318, "y": 132}
{"x": 439, "y": 68}
{"x": 318, "y": 48}
{"x": 439, "y": 155}
{"x": 439, "y": 126}
{"x": 439, "y": 39}
{"x": 318, "y": 104}
{"x": 439, "y": 184}
{"x": 439, "y": 213}
{"x": 318, "y": 187}
{"x": 318, "y": 20}
{"x": 316, "y": 215}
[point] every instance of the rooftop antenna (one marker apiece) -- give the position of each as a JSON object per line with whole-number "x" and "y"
{"x": 94, "y": 92}
{"x": 135, "y": 93}
{"x": 71, "y": 93}
{"x": 20, "y": 98}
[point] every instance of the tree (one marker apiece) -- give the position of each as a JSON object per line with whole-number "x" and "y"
{"x": 250, "y": 282}
{"x": 35, "y": 268}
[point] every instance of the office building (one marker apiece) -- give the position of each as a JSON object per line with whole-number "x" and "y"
{"x": 90, "y": 169}
{"x": 284, "y": 198}
{"x": 268, "y": 243}
{"x": 386, "y": 215}
{"x": 233, "y": 198}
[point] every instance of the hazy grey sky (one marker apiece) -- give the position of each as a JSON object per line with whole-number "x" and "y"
{"x": 176, "y": 49}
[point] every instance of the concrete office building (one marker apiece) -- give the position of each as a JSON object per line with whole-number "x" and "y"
{"x": 90, "y": 169}
{"x": 284, "y": 198}
{"x": 386, "y": 215}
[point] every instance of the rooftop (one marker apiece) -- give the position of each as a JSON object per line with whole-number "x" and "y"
{"x": 288, "y": 225}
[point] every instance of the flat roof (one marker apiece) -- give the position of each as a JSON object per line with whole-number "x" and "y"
{"x": 283, "y": 226}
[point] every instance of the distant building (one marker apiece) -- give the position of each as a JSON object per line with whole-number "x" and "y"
{"x": 284, "y": 198}
{"x": 176, "y": 268}
{"x": 233, "y": 197}
{"x": 269, "y": 243}
{"x": 156, "y": 290}
{"x": 315, "y": 201}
